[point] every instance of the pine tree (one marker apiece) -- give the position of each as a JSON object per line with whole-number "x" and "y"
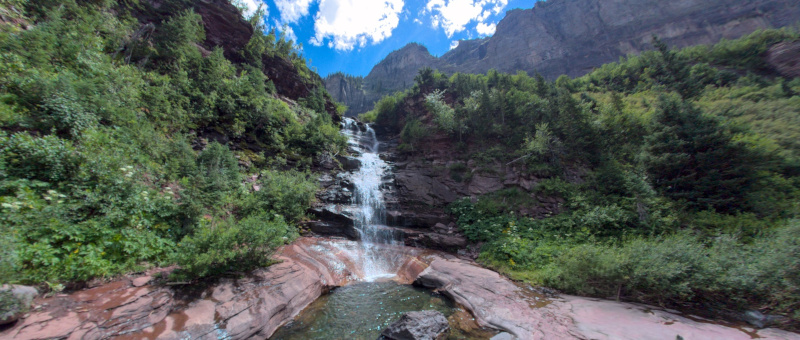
{"x": 692, "y": 158}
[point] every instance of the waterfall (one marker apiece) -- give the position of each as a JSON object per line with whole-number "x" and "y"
{"x": 369, "y": 205}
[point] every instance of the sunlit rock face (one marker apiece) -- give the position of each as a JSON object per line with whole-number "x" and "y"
{"x": 250, "y": 307}
{"x": 529, "y": 313}
{"x": 572, "y": 37}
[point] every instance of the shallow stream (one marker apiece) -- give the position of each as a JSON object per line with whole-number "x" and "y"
{"x": 360, "y": 311}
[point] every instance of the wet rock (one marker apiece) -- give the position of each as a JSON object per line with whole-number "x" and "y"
{"x": 395, "y": 218}
{"x": 336, "y": 195}
{"x": 326, "y": 228}
{"x": 349, "y": 163}
{"x": 22, "y": 297}
{"x": 424, "y": 325}
{"x": 331, "y": 221}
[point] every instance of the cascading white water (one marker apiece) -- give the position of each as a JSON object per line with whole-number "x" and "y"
{"x": 370, "y": 205}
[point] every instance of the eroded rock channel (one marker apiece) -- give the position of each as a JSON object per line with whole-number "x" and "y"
{"x": 365, "y": 233}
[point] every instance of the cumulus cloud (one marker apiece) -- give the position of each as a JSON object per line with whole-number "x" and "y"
{"x": 250, "y": 7}
{"x": 288, "y": 32}
{"x": 486, "y": 29}
{"x": 454, "y": 15}
{"x": 292, "y": 10}
{"x": 345, "y": 24}
{"x": 454, "y": 44}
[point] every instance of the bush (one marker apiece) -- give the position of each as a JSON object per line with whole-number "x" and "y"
{"x": 48, "y": 158}
{"x": 681, "y": 268}
{"x": 225, "y": 246}
{"x": 288, "y": 194}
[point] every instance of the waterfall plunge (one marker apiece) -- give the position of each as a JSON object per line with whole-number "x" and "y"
{"x": 370, "y": 209}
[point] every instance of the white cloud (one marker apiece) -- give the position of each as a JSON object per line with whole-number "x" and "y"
{"x": 486, "y": 29}
{"x": 454, "y": 15}
{"x": 293, "y": 10}
{"x": 454, "y": 44}
{"x": 250, "y": 6}
{"x": 288, "y": 33}
{"x": 346, "y": 24}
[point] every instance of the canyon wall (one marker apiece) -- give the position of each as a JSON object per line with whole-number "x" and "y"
{"x": 574, "y": 36}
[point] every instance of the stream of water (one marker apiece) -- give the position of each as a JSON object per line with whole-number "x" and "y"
{"x": 363, "y": 310}
{"x": 369, "y": 205}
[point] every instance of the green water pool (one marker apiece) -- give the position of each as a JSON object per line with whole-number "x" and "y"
{"x": 361, "y": 311}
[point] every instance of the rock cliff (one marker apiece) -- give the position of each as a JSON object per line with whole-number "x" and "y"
{"x": 574, "y": 36}
{"x": 394, "y": 73}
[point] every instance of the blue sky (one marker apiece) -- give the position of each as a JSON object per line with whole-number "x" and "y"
{"x": 353, "y": 35}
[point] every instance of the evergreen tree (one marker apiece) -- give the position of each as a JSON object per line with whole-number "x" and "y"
{"x": 692, "y": 158}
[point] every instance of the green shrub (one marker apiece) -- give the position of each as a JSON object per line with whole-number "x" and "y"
{"x": 288, "y": 194}
{"x": 413, "y": 133}
{"x": 218, "y": 173}
{"x": 48, "y": 158}
{"x": 226, "y": 246}
{"x": 681, "y": 268}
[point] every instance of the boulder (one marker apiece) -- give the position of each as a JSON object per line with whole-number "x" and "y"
{"x": 424, "y": 325}
{"x": 18, "y": 299}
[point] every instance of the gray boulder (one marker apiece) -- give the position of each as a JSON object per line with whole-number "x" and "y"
{"x": 15, "y": 301}
{"x": 424, "y": 325}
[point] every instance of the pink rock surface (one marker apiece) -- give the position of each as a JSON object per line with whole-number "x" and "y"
{"x": 498, "y": 303}
{"x": 252, "y": 307}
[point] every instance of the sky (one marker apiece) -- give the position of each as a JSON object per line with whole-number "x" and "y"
{"x": 351, "y": 36}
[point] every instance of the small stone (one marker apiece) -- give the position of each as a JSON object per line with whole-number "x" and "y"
{"x": 141, "y": 281}
{"x": 503, "y": 336}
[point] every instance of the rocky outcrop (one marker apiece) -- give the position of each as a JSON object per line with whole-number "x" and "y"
{"x": 495, "y": 301}
{"x": 423, "y": 325}
{"x": 525, "y": 313}
{"x": 252, "y": 307}
{"x": 224, "y": 26}
{"x": 784, "y": 58}
{"x": 574, "y": 36}
{"x": 394, "y": 73}
{"x": 349, "y": 89}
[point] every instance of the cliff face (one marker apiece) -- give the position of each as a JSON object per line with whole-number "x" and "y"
{"x": 394, "y": 73}
{"x": 348, "y": 89}
{"x": 574, "y": 36}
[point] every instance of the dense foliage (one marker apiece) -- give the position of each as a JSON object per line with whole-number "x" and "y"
{"x": 675, "y": 172}
{"x": 125, "y": 144}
